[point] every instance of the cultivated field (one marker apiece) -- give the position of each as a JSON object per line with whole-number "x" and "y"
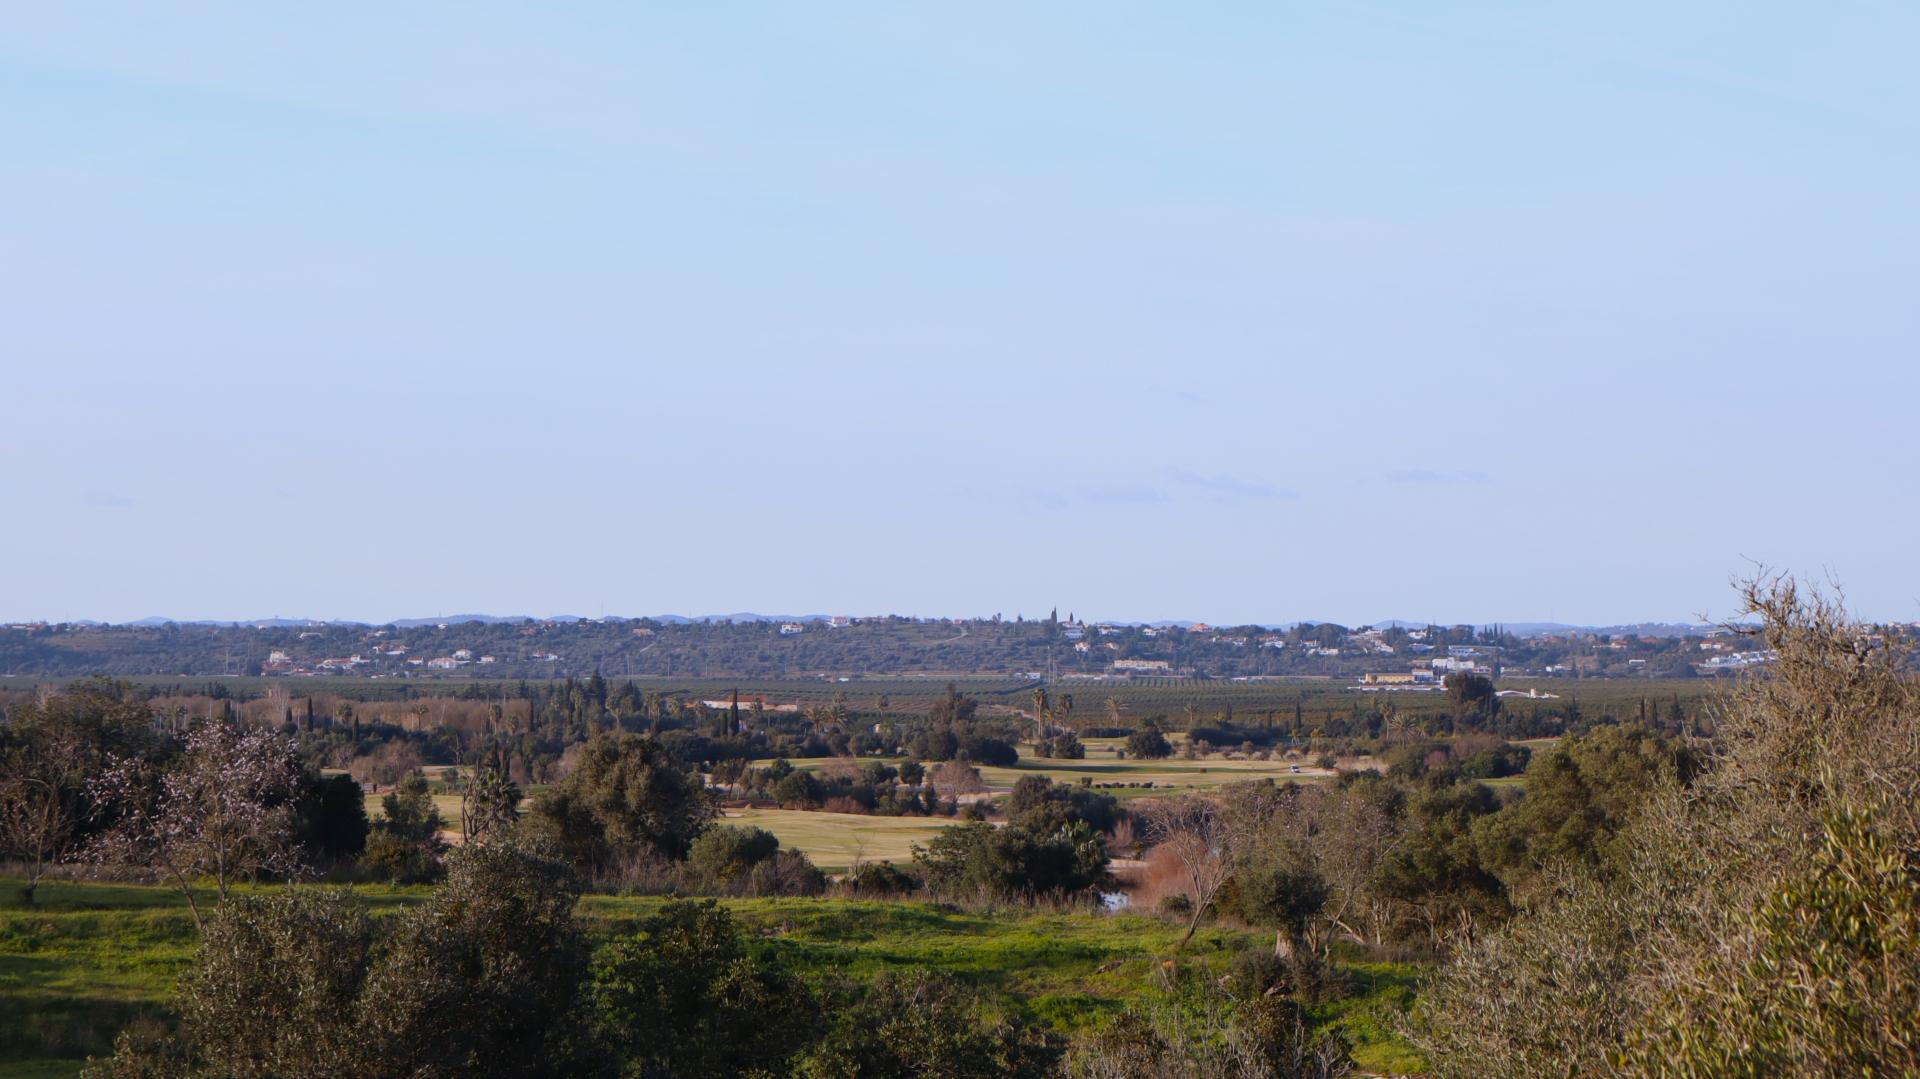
{"x": 836, "y": 840}
{"x": 1164, "y": 698}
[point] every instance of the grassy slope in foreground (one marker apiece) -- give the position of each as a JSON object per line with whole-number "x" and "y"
{"x": 91, "y": 958}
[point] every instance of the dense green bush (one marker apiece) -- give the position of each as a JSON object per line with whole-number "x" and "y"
{"x": 727, "y": 853}
{"x": 798, "y": 788}
{"x": 1148, "y": 744}
{"x": 917, "y": 1024}
{"x": 680, "y": 999}
{"x": 1581, "y": 794}
{"x": 405, "y": 846}
{"x": 332, "y": 815}
{"x": 1041, "y": 805}
{"x": 479, "y": 980}
{"x": 1065, "y": 746}
{"x": 988, "y": 750}
{"x": 880, "y": 878}
{"x": 625, "y": 796}
{"x": 978, "y": 859}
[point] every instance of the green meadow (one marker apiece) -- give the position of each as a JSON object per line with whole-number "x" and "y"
{"x": 91, "y": 958}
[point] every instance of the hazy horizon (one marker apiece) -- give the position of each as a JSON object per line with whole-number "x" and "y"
{"x": 738, "y": 616}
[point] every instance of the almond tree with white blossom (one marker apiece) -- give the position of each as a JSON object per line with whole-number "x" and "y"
{"x": 225, "y": 811}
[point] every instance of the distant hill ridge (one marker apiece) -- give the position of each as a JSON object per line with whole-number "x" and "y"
{"x": 1518, "y": 629}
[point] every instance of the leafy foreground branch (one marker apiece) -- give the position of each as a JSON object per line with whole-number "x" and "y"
{"x": 1758, "y": 918}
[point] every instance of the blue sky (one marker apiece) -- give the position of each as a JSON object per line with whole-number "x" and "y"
{"x": 1220, "y": 311}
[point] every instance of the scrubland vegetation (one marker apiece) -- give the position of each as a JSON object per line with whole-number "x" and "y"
{"x": 570, "y": 887}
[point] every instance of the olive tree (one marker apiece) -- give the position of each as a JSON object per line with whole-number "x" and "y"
{"x": 626, "y": 795}
{"x": 482, "y": 979}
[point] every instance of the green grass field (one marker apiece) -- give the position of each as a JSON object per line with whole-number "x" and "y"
{"x": 90, "y": 958}
{"x": 1172, "y": 775}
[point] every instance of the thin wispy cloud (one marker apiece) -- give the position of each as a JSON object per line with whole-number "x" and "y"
{"x": 106, "y": 498}
{"x": 1230, "y": 485}
{"x": 1427, "y": 475}
{"x": 1033, "y": 498}
{"x": 1124, "y": 492}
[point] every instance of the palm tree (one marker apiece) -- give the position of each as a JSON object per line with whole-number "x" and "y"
{"x": 1399, "y": 730}
{"x": 1041, "y": 711}
{"x": 1115, "y": 706}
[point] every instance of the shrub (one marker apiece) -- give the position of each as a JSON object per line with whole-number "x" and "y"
{"x": 1496, "y": 763}
{"x": 939, "y": 744}
{"x": 387, "y": 765}
{"x": 727, "y": 853}
{"x": 1148, "y": 744}
{"x": 799, "y": 788}
{"x": 625, "y": 794}
{"x": 404, "y": 861}
{"x": 1063, "y": 746}
{"x": 955, "y": 777}
{"x": 790, "y": 873}
{"x": 881, "y": 878}
{"x": 479, "y": 980}
{"x": 920, "y": 1023}
{"x": 1267, "y": 1037}
{"x": 978, "y": 859}
{"x": 1043, "y": 805}
{"x": 681, "y": 998}
{"x": 1258, "y": 971}
{"x": 333, "y": 821}
{"x": 993, "y": 752}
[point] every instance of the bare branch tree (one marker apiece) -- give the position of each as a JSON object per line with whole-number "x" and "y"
{"x": 49, "y": 746}
{"x": 43, "y": 795}
{"x": 1350, "y": 835}
{"x": 1194, "y": 831}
